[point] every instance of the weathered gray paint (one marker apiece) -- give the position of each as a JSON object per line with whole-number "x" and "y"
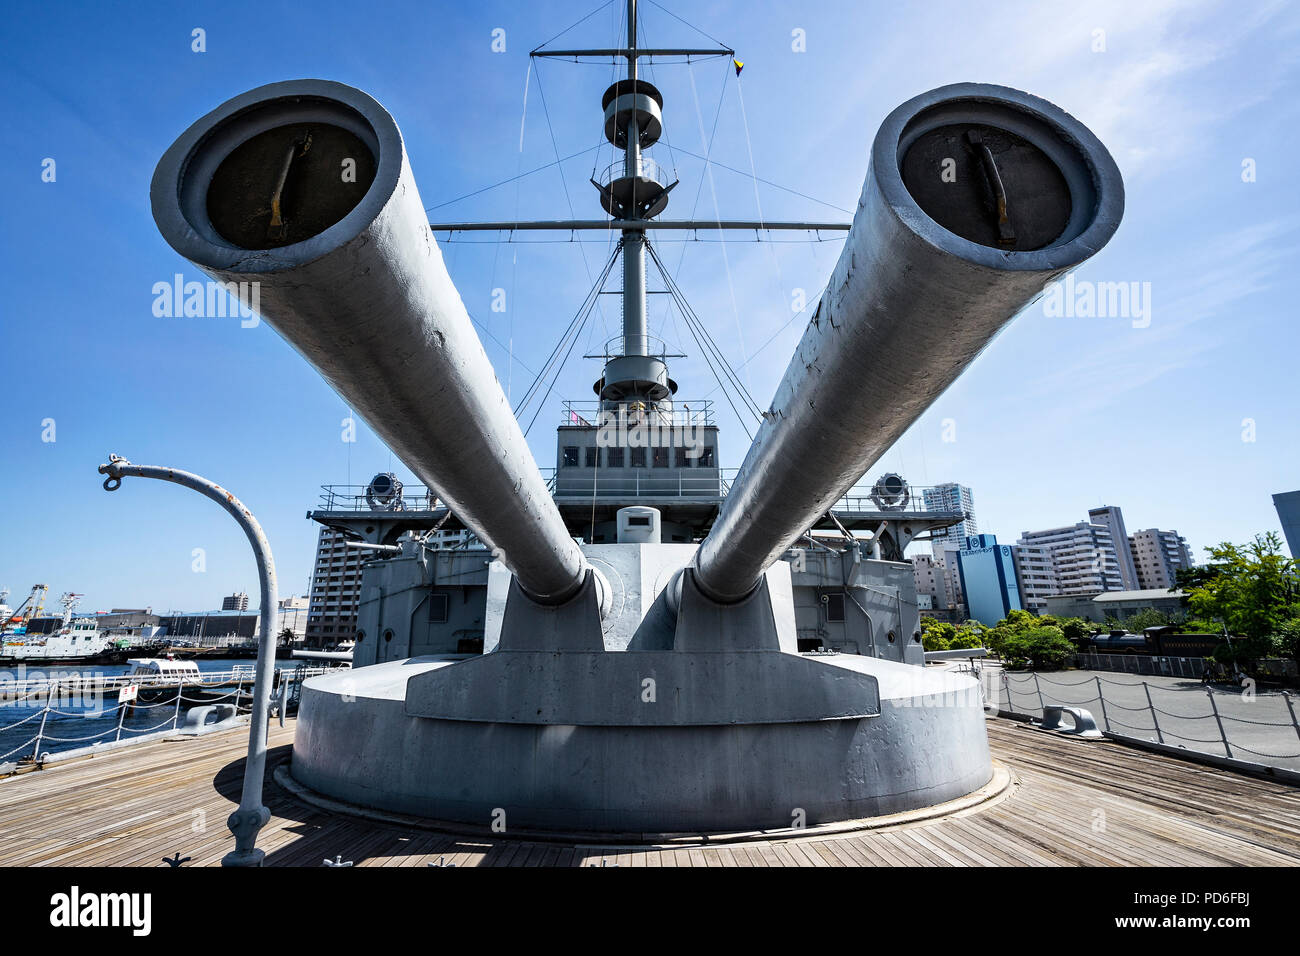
{"x": 908, "y": 307}
{"x": 356, "y": 742}
{"x": 369, "y": 303}
{"x": 599, "y": 689}
{"x": 559, "y": 727}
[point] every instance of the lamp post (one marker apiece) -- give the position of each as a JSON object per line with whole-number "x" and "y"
{"x": 251, "y": 816}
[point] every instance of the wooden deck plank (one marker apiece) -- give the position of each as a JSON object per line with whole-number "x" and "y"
{"x": 136, "y": 805}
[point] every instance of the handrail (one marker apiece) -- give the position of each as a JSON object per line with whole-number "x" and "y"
{"x": 858, "y": 500}
{"x": 58, "y": 689}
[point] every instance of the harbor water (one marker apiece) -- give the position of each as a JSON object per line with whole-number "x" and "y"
{"x": 78, "y": 718}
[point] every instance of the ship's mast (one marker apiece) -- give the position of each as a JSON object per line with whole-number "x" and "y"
{"x": 634, "y": 192}
{"x": 634, "y": 299}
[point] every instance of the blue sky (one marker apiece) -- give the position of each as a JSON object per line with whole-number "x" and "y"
{"x": 1058, "y": 415}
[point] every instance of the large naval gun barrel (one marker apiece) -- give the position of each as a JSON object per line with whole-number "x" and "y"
{"x": 976, "y": 197}
{"x": 304, "y": 188}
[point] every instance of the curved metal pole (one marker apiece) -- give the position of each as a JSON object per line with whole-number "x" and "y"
{"x": 251, "y": 816}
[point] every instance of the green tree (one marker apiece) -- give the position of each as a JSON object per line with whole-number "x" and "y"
{"x": 936, "y": 635}
{"x": 941, "y": 636}
{"x": 1046, "y": 647}
{"x": 1149, "y": 617}
{"x": 1254, "y": 590}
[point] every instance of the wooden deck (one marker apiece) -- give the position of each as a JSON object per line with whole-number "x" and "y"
{"x": 1071, "y": 804}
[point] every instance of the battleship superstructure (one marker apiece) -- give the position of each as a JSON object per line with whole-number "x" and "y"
{"x": 640, "y": 617}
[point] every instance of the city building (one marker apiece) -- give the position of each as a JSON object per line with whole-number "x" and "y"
{"x": 1120, "y": 605}
{"x": 1287, "y": 504}
{"x": 988, "y": 579}
{"x": 1037, "y": 573}
{"x": 1083, "y": 558}
{"x": 1112, "y": 519}
{"x": 951, "y": 496}
{"x": 1157, "y": 555}
{"x": 931, "y": 589}
{"x": 235, "y": 602}
{"x": 291, "y": 615}
{"x": 335, "y": 590}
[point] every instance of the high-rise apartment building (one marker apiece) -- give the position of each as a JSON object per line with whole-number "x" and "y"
{"x": 1083, "y": 558}
{"x": 928, "y": 574}
{"x": 1158, "y": 555}
{"x": 235, "y": 602}
{"x": 1037, "y": 573}
{"x": 1112, "y": 519}
{"x": 335, "y": 589}
{"x": 951, "y": 496}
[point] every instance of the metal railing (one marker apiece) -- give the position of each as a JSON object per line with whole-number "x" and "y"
{"x": 637, "y": 481}
{"x": 674, "y": 414}
{"x": 47, "y": 697}
{"x": 646, "y": 168}
{"x": 677, "y": 485}
{"x": 1240, "y": 725}
{"x": 1192, "y": 667}
{"x": 353, "y": 498}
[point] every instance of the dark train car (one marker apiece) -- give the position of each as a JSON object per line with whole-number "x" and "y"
{"x": 1118, "y": 642}
{"x": 1168, "y": 641}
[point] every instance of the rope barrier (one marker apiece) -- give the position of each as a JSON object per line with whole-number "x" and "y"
{"x": 1260, "y": 754}
{"x": 1196, "y": 740}
{"x": 77, "y": 740}
{"x": 82, "y": 713}
{"x": 132, "y": 730}
{"x": 22, "y": 746}
{"x": 1257, "y": 723}
{"x": 1130, "y": 726}
{"x": 1123, "y": 707}
{"x": 31, "y": 716}
{"x": 1165, "y": 713}
{"x": 139, "y": 706}
{"x": 1058, "y": 683}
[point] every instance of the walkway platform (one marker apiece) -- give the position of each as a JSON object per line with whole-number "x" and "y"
{"x": 1068, "y": 803}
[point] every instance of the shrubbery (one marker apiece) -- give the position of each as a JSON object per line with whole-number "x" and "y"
{"x": 939, "y": 636}
{"x": 1021, "y": 639}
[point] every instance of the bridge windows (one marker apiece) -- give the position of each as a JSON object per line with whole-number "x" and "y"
{"x": 593, "y": 456}
{"x": 570, "y": 459}
{"x": 638, "y": 457}
{"x": 614, "y": 458}
{"x": 659, "y": 456}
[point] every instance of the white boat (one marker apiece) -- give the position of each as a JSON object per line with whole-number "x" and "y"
{"x": 77, "y": 640}
{"x": 163, "y": 670}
